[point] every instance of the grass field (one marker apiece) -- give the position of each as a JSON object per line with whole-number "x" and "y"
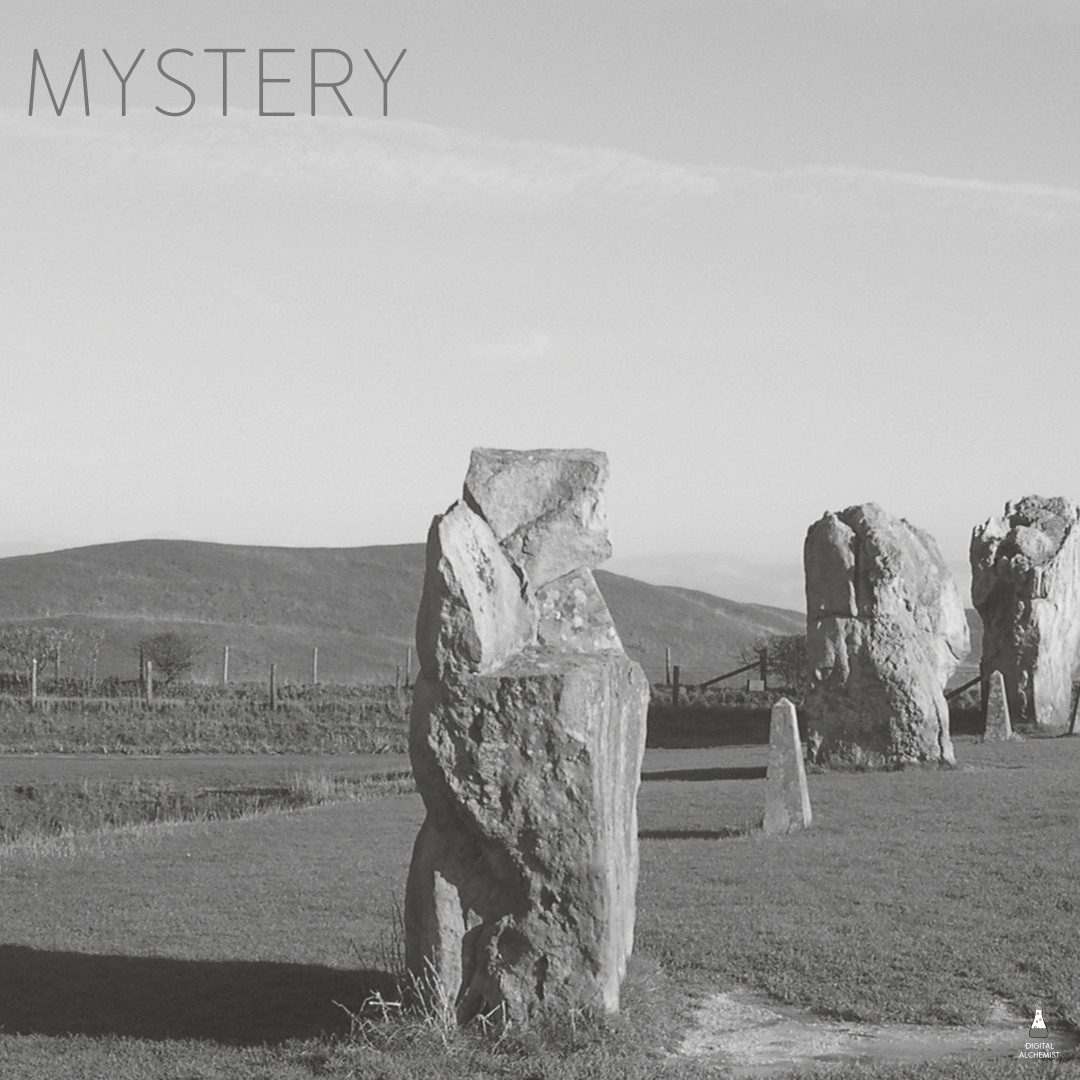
{"x": 44, "y": 796}
{"x": 216, "y": 949}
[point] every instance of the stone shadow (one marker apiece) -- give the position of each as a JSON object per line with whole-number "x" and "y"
{"x": 753, "y": 772}
{"x": 701, "y": 726}
{"x": 695, "y": 834}
{"x": 234, "y": 1002}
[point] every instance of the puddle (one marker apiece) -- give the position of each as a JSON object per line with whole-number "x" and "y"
{"x": 753, "y": 1037}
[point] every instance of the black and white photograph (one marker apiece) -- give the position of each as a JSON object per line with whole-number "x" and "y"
{"x": 541, "y": 539}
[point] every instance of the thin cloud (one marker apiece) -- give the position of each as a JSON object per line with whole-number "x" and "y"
{"x": 520, "y": 350}
{"x": 357, "y": 157}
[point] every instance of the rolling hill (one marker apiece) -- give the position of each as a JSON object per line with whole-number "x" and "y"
{"x": 357, "y": 605}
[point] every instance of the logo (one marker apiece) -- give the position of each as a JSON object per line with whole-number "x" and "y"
{"x": 1038, "y": 1026}
{"x": 1038, "y": 1043}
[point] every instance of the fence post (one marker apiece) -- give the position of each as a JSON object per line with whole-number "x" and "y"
{"x": 149, "y": 682}
{"x": 225, "y": 666}
{"x": 667, "y": 665}
{"x": 675, "y": 673}
{"x": 315, "y": 666}
{"x": 273, "y": 686}
{"x": 33, "y": 683}
{"x": 408, "y": 666}
{"x": 397, "y": 676}
{"x": 764, "y": 662}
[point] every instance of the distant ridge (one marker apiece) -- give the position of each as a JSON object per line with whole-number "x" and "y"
{"x": 357, "y": 605}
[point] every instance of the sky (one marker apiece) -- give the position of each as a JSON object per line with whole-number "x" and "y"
{"x": 775, "y": 258}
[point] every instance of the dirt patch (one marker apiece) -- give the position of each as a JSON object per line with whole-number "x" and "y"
{"x": 753, "y": 1037}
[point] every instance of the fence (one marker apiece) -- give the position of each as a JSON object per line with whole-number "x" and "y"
{"x": 149, "y": 683}
{"x": 676, "y": 682}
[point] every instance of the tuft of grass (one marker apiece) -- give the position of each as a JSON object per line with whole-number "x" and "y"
{"x": 418, "y": 1035}
{"x": 316, "y": 787}
{"x": 418, "y": 1024}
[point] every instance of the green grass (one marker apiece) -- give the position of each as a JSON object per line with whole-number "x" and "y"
{"x": 218, "y": 948}
{"x": 920, "y": 895}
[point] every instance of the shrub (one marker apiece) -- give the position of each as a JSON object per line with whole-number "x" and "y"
{"x": 173, "y": 654}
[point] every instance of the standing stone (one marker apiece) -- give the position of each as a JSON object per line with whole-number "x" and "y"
{"x": 526, "y": 739}
{"x": 1025, "y": 584}
{"x": 885, "y": 630}
{"x": 998, "y": 725}
{"x": 787, "y": 800}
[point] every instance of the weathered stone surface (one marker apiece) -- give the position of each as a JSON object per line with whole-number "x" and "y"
{"x": 526, "y": 739}
{"x": 573, "y": 615}
{"x": 546, "y": 507}
{"x": 521, "y": 889}
{"x": 1025, "y": 584}
{"x": 787, "y": 798}
{"x": 473, "y": 615}
{"x": 885, "y": 630}
{"x": 998, "y": 724}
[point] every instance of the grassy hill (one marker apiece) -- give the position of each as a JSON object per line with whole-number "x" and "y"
{"x": 357, "y": 605}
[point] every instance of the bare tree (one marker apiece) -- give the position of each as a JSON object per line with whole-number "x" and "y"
{"x": 84, "y": 650}
{"x": 23, "y": 644}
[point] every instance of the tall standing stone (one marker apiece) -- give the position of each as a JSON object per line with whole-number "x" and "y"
{"x": 1025, "y": 584}
{"x": 998, "y": 724}
{"x": 787, "y": 799}
{"x": 885, "y": 630}
{"x": 526, "y": 738}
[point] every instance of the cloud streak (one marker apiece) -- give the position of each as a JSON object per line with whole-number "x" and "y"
{"x": 1034, "y": 202}
{"x": 400, "y": 160}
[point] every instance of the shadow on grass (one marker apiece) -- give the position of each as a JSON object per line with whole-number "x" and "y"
{"x": 234, "y": 1002}
{"x": 695, "y": 834}
{"x": 749, "y": 773}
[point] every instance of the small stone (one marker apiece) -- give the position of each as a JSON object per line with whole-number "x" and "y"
{"x": 787, "y": 799}
{"x": 998, "y": 724}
